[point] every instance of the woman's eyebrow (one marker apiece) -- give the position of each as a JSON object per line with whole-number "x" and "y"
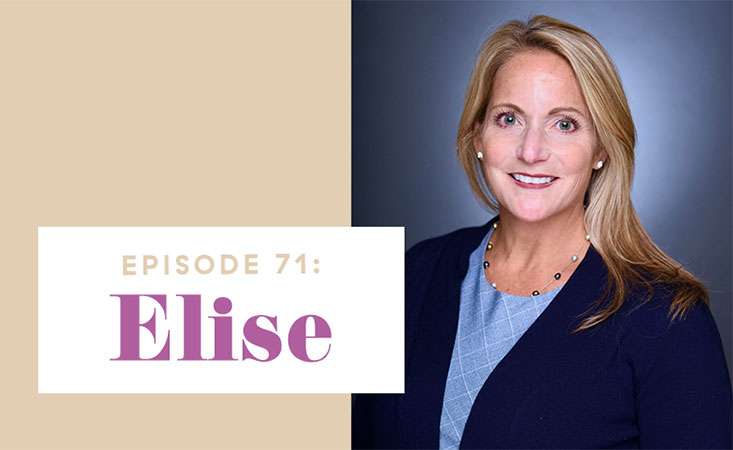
{"x": 552, "y": 111}
{"x": 508, "y": 105}
{"x": 565, "y": 108}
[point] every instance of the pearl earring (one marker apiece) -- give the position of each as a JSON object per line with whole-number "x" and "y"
{"x": 599, "y": 164}
{"x": 480, "y": 155}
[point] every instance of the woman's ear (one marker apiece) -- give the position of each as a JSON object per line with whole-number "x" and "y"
{"x": 599, "y": 154}
{"x": 477, "y": 129}
{"x": 602, "y": 156}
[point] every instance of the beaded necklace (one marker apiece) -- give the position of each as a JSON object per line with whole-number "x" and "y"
{"x": 557, "y": 276}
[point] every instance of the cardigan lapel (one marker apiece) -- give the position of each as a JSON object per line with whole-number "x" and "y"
{"x": 429, "y": 361}
{"x": 430, "y": 356}
{"x": 545, "y": 345}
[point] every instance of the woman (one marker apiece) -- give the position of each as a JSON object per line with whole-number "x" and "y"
{"x": 559, "y": 323}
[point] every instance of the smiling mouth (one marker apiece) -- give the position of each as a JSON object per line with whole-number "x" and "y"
{"x": 527, "y": 180}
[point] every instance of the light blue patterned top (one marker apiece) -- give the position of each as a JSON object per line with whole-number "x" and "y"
{"x": 490, "y": 322}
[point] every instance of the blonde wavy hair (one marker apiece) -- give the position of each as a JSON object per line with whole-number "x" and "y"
{"x": 630, "y": 255}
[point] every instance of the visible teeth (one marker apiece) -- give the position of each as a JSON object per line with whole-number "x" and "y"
{"x": 532, "y": 180}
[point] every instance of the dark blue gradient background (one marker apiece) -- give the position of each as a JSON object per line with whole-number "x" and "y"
{"x": 411, "y": 65}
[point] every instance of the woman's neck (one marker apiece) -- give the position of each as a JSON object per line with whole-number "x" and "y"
{"x": 522, "y": 246}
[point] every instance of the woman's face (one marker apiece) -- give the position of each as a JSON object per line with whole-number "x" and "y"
{"x": 538, "y": 129}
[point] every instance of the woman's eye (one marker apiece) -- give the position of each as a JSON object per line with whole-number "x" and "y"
{"x": 566, "y": 125}
{"x": 508, "y": 119}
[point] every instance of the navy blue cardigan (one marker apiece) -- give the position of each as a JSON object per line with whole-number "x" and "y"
{"x": 636, "y": 380}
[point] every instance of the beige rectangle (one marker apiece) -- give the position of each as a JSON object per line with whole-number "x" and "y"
{"x": 166, "y": 113}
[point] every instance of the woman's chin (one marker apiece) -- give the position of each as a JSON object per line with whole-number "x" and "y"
{"x": 528, "y": 214}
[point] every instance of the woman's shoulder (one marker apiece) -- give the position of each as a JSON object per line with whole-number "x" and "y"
{"x": 649, "y": 311}
{"x": 656, "y": 342}
{"x": 431, "y": 264}
{"x": 681, "y": 378}
{"x": 464, "y": 237}
{"x": 423, "y": 260}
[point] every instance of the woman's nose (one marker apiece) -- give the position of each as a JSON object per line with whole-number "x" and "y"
{"x": 532, "y": 146}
